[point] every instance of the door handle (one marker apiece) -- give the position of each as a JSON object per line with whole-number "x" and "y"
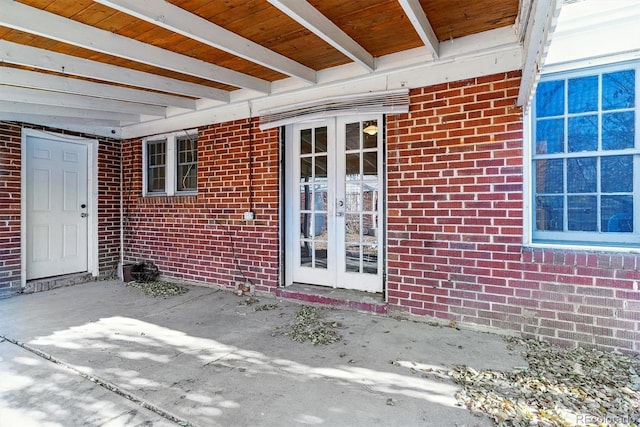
{"x": 84, "y": 214}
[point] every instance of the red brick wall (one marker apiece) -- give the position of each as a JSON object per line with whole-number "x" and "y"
{"x": 455, "y": 208}
{"x": 10, "y": 164}
{"x": 204, "y": 238}
{"x": 10, "y": 199}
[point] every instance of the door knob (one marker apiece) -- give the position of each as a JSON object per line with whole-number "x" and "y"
{"x": 84, "y": 214}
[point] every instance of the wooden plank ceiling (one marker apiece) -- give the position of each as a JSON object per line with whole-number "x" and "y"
{"x": 74, "y": 55}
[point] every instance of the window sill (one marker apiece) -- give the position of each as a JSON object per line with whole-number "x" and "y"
{"x": 581, "y": 246}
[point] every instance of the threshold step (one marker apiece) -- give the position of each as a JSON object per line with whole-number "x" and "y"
{"x": 48, "y": 283}
{"x": 341, "y": 298}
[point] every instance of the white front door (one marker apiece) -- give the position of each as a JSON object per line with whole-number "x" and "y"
{"x": 333, "y": 211}
{"x": 56, "y": 206}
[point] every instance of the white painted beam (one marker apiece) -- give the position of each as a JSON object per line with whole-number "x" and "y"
{"x": 35, "y": 21}
{"x": 54, "y": 120}
{"x": 309, "y": 17}
{"x": 178, "y": 20}
{"x": 421, "y": 24}
{"x": 496, "y": 51}
{"x": 35, "y": 80}
{"x": 114, "y": 132}
{"x": 7, "y": 107}
{"x": 35, "y": 96}
{"x": 18, "y": 54}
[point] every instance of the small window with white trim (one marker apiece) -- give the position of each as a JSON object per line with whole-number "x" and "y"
{"x": 585, "y": 158}
{"x": 170, "y": 164}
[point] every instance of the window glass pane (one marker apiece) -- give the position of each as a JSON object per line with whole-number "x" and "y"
{"x": 617, "y": 214}
{"x": 188, "y": 177}
{"x": 321, "y": 140}
{"x": 583, "y": 213}
{"x": 305, "y": 141}
{"x": 583, "y": 94}
{"x": 549, "y": 176}
{"x": 616, "y": 174}
{"x": 550, "y": 98}
{"x": 352, "y": 136}
{"x": 618, "y": 130}
{"x": 618, "y": 90}
{"x": 156, "y": 166}
{"x": 581, "y": 175}
{"x": 187, "y": 165}
{"x": 549, "y": 213}
{"x": 583, "y": 133}
{"x": 550, "y": 136}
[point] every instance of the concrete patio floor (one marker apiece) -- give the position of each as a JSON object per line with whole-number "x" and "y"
{"x": 104, "y": 354}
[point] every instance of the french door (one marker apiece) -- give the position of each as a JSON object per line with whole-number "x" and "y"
{"x": 334, "y": 203}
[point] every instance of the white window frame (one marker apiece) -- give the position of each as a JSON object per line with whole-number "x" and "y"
{"x": 629, "y": 242}
{"x": 171, "y": 163}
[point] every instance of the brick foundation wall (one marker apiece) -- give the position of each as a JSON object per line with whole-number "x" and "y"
{"x": 10, "y": 166}
{"x": 455, "y": 209}
{"x": 10, "y": 203}
{"x": 205, "y": 238}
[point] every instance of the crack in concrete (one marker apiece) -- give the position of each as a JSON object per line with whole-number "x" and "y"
{"x": 102, "y": 383}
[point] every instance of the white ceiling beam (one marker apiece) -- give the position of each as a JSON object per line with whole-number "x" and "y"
{"x": 421, "y": 24}
{"x": 39, "y": 118}
{"x": 309, "y": 17}
{"x": 35, "y": 21}
{"x": 43, "y": 97}
{"x": 178, "y": 20}
{"x": 87, "y": 128}
{"x": 49, "y": 110}
{"x": 14, "y": 53}
{"x": 35, "y": 80}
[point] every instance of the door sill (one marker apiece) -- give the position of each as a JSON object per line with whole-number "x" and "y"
{"x": 48, "y": 283}
{"x": 340, "y": 298}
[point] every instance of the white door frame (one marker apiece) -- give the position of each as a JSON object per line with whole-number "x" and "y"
{"x": 92, "y": 188}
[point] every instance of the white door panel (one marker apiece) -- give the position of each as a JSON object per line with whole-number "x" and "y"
{"x": 56, "y": 207}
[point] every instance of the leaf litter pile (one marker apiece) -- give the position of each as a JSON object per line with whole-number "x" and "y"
{"x": 309, "y": 326}
{"x": 560, "y": 387}
{"x": 159, "y": 288}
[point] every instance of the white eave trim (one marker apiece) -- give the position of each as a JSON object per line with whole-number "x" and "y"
{"x": 539, "y": 29}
